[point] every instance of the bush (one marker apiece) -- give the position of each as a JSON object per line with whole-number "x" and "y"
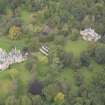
{"x": 35, "y": 88}
{"x": 50, "y": 91}
{"x": 66, "y": 58}
{"x": 74, "y": 34}
{"x": 59, "y": 98}
{"x": 15, "y": 33}
{"x": 31, "y": 64}
{"x": 100, "y": 55}
{"x": 85, "y": 59}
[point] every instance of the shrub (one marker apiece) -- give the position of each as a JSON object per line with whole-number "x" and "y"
{"x": 35, "y": 88}
{"x": 100, "y": 55}
{"x": 14, "y": 33}
{"x": 85, "y": 59}
{"x": 59, "y": 98}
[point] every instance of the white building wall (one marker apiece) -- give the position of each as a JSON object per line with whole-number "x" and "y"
{"x": 15, "y": 56}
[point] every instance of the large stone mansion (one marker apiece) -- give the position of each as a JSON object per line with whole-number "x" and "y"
{"x": 90, "y": 35}
{"x": 14, "y": 56}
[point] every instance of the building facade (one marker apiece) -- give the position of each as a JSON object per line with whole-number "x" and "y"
{"x": 14, "y": 56}
{"x": 90, "y": 35}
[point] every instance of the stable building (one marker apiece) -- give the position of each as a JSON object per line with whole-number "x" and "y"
{"x": 44, "y": 50}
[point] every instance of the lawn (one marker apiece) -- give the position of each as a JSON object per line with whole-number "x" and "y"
{"x": 25, "y": 16}
{"x": 76, "y": 47}
{"x": 6, "y": 43}
{"x": 42, "y": 67}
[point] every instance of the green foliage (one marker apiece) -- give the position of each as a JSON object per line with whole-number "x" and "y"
{"x": 11, "y": 100}
{"x": 50, "y": 91}
{"x": 34, "y": 44}
{"x": 25, "y": 100}
{"x": 65, "y": 58}
{"x": 85, "y": 59}
{"x": 31, "y": 64}
{"x": 97, "y": 88}
{"x": 100, "y": 55}
{"x": 74, "y": 34}
{"x": 59, "y": 98}
{"x": 14, "y": 33}
{"x": 69, "y": 58}
{"x": 37, "y": 100}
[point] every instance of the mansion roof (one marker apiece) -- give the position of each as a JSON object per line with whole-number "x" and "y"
{"x": 90, "y": 35}
{"x": 6, "y": 59}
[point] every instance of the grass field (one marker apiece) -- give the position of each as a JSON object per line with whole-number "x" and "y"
{"x": 7, "y": 44}
{"x": 25, "y": 16}
{"x": 19, "y": 71}
{"x": 76, "y": 47}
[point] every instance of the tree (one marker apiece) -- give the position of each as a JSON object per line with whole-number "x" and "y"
{"x": 37, "y": 100}
{"x": 59, "y": 98}
{"x": 2, "y": 6}
{"x": 87, "y": 22}
{"x": 50, "y": 91}
{"x": 11, "y": 100}
{"x": 100, "y": 55}
{"x": 103, "y": 39}
{"x": 98, "y": 9}
{"x": 14, "y": 4}
{"x": 36, "y": 5}
{"x": 74, "y": 35}
{"x": 31, "y": 64}
{"x": 14, "y": 33}
{"x": 13, "y": 73}
{"x": 35, "y": 88}
{"x": 54, "y": 59}
{"x": 34, "y": 44}
{"x": 65, "y": 58}
{"x": 85, "y": 59}
{"x": 59, "y": 39}
{"x": 97, "y": 89}
{"x": 25, "y": 100}
{"x": 79, "y": 101}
